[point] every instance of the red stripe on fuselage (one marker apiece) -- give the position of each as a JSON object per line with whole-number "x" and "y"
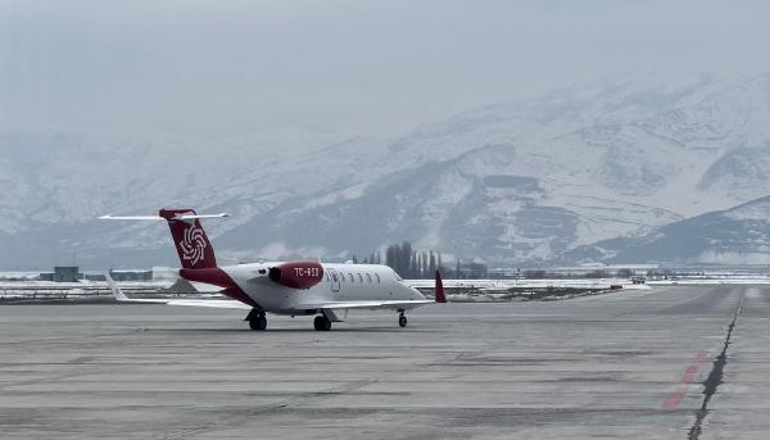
{"x": 219, "y": 277}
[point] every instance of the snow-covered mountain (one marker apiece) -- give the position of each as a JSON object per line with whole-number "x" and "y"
{"x": 736, "y": 236}
{"x": 520, "y": 182}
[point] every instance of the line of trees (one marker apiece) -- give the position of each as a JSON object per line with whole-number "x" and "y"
{"x": 374, "y": 258}
{"x": 410, "y": 263}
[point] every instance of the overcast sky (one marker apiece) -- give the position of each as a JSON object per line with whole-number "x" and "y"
{"x": 223, "y": 68}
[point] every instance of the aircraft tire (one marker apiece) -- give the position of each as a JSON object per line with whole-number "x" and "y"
{"x": 321, "y": 323}
{"x": 258, "y": 323}
{"x": 402, "y": 321}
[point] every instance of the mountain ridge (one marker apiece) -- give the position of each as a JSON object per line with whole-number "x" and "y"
{"x": 524, "y": 182}
{"x": 738, "y": 235}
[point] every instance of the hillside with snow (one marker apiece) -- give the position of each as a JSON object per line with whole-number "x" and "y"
{"x": 735, "y": 236}
{"x": 517, "y": 183}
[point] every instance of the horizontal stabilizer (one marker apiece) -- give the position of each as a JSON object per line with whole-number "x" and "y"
{"x": 205, "y": 287}
{"x": 158, "y": 218}
{"x": 211, "y": 303}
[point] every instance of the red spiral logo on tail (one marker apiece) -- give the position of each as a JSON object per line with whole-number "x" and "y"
{"x": 193, "y": 245}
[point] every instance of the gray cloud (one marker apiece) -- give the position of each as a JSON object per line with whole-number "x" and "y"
{"x": 216, "y": 68}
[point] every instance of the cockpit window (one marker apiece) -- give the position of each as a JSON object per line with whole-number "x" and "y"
{"x": 377, "y": 276}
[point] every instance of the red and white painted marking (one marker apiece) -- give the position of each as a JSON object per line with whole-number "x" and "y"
{"x": 688, "y": 378}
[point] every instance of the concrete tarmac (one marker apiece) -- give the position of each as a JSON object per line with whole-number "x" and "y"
{"x": 622, "y": 365}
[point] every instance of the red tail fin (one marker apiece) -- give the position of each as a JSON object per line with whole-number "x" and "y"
{"x": 192, "y": 244}
{"x": 440, "y": 297}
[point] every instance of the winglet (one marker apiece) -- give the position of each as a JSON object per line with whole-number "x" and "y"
{"x": 440, "y": 297}
{"x": 116, "y": 292}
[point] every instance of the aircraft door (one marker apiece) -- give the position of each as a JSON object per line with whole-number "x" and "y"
{"x": 335, "y": 280}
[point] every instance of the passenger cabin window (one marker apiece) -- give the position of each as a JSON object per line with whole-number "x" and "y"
{"x": 377, "y": 276}
{"x": 342, "y": 277}
{"x": 369, "y": 278}
{"x": 326, "y": 277}
{"x": 350, "y": 275}
{"x": 360, "y": 278}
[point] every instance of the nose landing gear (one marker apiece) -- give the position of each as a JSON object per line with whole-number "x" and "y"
{"x": 402, "y": 321}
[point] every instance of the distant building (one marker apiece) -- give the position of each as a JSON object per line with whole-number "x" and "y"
{"x": 70, "y": 274}
{"x": 94, "y": 276}
{"x": 165, "y": 273}
{"x": 63, "y": 274}
{"x": 131, "y": 275}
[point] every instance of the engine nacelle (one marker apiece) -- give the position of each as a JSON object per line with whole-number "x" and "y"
{"x": 298, "y": 274}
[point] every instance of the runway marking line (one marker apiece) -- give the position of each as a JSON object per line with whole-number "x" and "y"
{"x": 689, "y": 376}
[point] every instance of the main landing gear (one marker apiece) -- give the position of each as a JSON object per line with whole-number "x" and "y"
{"x": 322, "y": 323}
{"x": 257, "y": 319}
{"x": 402, "y": 321}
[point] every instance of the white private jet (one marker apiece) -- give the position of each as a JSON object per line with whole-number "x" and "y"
{"x": 286, "y": 288}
